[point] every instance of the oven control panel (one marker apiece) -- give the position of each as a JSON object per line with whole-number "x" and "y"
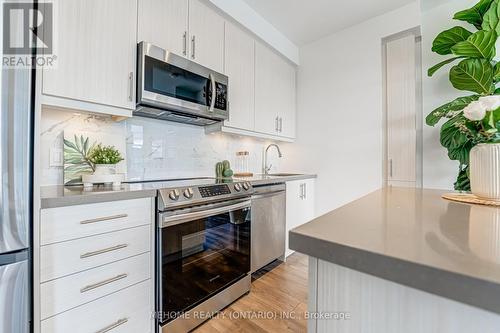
{"x": 196, "y": 195}
{"x": 214, "y": 190}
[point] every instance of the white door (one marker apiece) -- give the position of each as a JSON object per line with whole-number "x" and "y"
{"x": 96, "y": 52}
{"x": 206, "y": 29}
{"x": 401, "y": 77}
{"x": 268, "y": 89}
{"x": 240, "y": 67}
{"x": 164, "y": 23}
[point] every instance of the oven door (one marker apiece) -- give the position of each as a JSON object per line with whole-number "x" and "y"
{"x": 168, "y": 81}
{"x": 200, "y": 252}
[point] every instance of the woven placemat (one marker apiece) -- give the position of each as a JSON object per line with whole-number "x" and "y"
{"x": 471, "y": 199}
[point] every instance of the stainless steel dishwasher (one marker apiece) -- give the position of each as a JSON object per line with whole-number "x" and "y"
{"x": 268, "y": 225}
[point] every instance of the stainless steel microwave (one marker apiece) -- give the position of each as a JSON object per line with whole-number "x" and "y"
{"x": 171, "y": 87}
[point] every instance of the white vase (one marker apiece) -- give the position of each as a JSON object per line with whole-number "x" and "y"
{"x": 485, "y": 171}
{"x": 105, "y": 169}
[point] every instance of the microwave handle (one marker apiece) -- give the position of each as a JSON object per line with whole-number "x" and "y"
{"x": 214, "y": 92}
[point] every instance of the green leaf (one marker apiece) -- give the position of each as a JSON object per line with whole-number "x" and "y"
{"x": 448, "y": 38}
{"x": 473, "y": 75}
{"x": 449, "y": 110}
{"x": 435, "y": 68}
{"x": 463, "y": 183}
{"x": 479, "y": 45}
{"x": 69, "y": 144}
{"x": 461, "y": 153}
{"x": 491, "y": 18}
{"x": 451, "y": 137}
{"x": 496, "y": 74}
{"x": 475, "y": 14}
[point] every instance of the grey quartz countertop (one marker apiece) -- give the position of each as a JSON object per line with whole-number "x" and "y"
{"x": 415, "y": 238}
{"x": 60, "y": 196}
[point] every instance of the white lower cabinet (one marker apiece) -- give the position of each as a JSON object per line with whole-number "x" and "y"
{"x": 126, "y": 311}
{"x": 299, "y": 205}
{"x": 96, "y": 268}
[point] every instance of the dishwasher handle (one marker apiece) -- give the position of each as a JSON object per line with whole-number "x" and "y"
{"x": 266, "y": 195}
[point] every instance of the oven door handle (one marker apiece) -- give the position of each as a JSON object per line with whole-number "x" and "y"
{"x": 168, "y": 221}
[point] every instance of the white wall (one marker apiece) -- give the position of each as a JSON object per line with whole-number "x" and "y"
{"x": 438, "y": 170}
{"x": 339, "y": 123}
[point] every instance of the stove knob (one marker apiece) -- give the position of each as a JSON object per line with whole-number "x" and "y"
{"x": 188, "y": 193}
{"x": 246, "y": 186}
{"x": 174, "y": 195}
{"x": 237, "y": 187}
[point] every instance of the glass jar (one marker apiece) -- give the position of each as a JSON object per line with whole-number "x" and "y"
{"x": 242, "y": 160}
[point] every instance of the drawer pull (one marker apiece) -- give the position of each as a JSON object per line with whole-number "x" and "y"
{"x": 98, "y": 252}
{"x": 103, "y": 283}
{"x": 113, "y": 326}
{"x": 101, "y": 219}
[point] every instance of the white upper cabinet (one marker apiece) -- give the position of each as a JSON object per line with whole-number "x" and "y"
{"x": 267, "y": 85}
{"x": 288, "y": 112}
{"x": 240, "y": 68}
{"x": 96, "y": 52}
{"x": 187, "y": 28}
{"x": 206, "y": 30}
{"x": 274, "y": 93}
{"x": 164, "y": 23}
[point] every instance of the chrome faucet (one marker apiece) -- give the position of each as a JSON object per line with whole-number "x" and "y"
{"x": 266, "y": 168}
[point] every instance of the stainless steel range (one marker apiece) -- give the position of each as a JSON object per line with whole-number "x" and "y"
{"x": 203, "y": 250}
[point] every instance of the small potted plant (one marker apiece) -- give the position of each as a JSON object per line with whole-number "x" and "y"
{"x": 105, "y": 159}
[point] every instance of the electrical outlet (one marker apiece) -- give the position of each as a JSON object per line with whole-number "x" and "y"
{"x": 56, "y": 157}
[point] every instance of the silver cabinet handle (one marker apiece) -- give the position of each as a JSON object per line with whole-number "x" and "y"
{"x": 113, "y": 326}
{"x": 305, "y": 191}
{"x": 106, "y": 218}
{"x": 301, "y": 196}
{"x": 276, "y": 121}
{"x": 98, "y": 252}
{"x": 184, "y": 43}
{"x": 131, "y": 86}
{"x": 390, "y": 167}
{"x": 103, "y": 283}
{"x": 281, "y": 124}
{"x": 193, "y": 47}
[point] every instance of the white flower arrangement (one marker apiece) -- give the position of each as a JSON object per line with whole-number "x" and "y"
{"x": 476, "y": 111}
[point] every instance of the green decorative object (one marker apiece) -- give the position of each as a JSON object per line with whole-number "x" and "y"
{"x": 105, "y": 155}
{"x": 219, "y": 170}
{"x": 228, "y": 173}
{"x": 473, "y": 119}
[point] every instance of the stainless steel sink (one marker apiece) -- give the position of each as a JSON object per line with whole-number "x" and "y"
{"x": 284, "y": 174}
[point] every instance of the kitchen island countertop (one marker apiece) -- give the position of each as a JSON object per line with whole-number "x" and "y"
{"x": 414, "y": 238}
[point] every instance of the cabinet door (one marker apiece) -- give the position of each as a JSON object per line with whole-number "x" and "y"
{"x": 206, "y": 28}
{"x": 267, "y": 89}
{"x": 288, "y": 110}
{"x": 164, "y": 23}
{"x": 240, "y": 67}
{"x": 293, "y": 210}
{"x": 96, "y": 52}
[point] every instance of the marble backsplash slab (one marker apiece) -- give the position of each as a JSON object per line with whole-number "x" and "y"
{"x": 154, "y": 149}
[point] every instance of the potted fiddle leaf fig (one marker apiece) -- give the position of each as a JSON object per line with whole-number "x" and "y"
{"x": 471, "y": 133}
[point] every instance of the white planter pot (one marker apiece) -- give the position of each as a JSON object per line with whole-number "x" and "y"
{"x": 485, "y": 171}
{"x": 105, "y": 169}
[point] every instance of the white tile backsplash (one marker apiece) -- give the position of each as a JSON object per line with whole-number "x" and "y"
{"x": 154, "y": 149}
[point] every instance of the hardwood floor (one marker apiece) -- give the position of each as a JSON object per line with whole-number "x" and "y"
{"x": 276, "y": 303}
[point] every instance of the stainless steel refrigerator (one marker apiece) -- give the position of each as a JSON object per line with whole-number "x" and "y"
{"x": 16, "y": 142}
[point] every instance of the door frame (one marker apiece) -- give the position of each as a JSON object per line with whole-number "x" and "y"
{"x": 416, "y": 31}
